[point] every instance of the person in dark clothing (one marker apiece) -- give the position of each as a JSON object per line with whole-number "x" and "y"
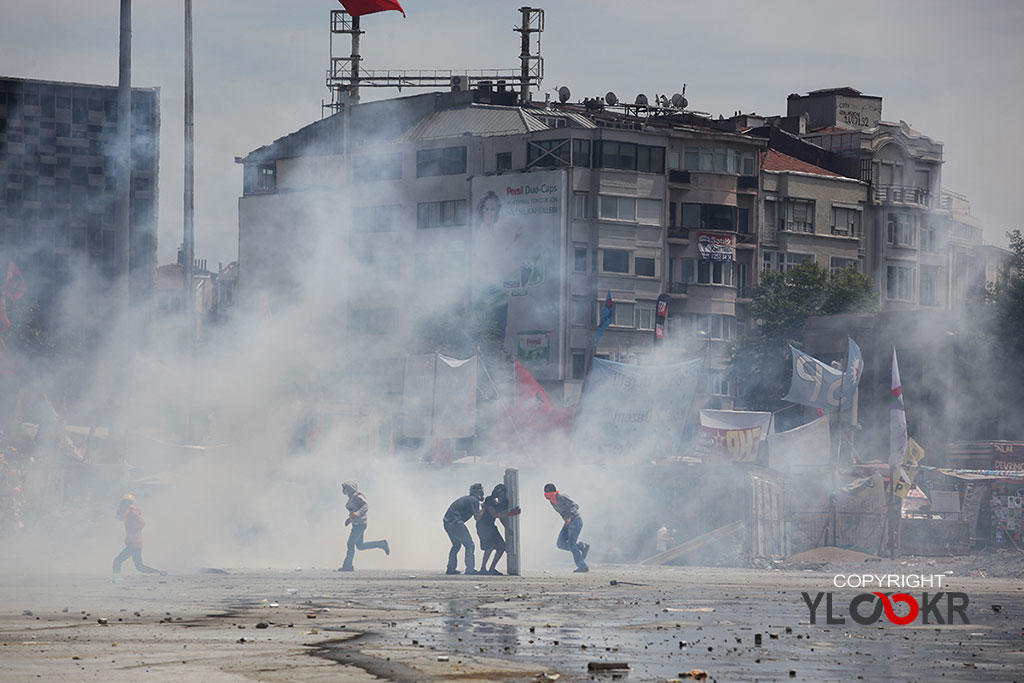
{"x": 133, "y": 524}
{"x": 458, "y": 513}
{"x": 572, "y": 524}
{"x": 357, "y": 510}
{"x": 495, "y": 507}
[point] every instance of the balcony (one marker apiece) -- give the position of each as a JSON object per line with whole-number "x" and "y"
{"x": 677, "y": 233}
{"x": 677, "y": 288}
{"x": 746, "y": 182}
{"x": 902, "y": 194}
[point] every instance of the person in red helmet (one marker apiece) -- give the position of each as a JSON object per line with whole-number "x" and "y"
{"x": 133, "y": 524}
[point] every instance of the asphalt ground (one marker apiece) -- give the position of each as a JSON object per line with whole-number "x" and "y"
{"x": 313, "y": 625}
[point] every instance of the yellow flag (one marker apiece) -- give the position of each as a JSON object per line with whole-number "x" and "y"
{"x": 908, "y": 470}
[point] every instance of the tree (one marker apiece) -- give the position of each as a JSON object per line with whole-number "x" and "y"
{"x": 782, "y": 303}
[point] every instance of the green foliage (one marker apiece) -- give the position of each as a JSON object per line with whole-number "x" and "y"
{"x": 782, "y": 303}
{"x": 1004, "y": 319}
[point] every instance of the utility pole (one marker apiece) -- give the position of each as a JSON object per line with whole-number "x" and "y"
{"x": 188, "y": 239}
{"x": 124, "y": 155}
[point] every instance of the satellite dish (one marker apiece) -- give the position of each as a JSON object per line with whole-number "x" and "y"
{"x": 563, "y": 94}
{"x": 641, "y": 99}
{"x": 662, "y": 100}
{"x": 611, "y": 98}
{"x": 678, "y": 101}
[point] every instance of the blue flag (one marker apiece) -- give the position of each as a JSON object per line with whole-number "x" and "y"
{"x": 814, "y": 383}
{"x": 854, "y": 369}
{"x": 606, "y": 317}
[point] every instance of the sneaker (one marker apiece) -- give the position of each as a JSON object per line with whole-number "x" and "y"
{"x": 452, "y": 571}
{"x": 581, "y": 570}
{"x": 493, "y": 572}
{"x": 586, "y": 550}
{"x": 387, "y": 548}
{"x": 346, "y": 569}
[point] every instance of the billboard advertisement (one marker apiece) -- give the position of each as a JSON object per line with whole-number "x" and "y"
{"x": 714, "y": 247}
{"x": 518, "y": 245}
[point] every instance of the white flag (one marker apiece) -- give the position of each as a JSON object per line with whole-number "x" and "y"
{"x": 897, "y": 418}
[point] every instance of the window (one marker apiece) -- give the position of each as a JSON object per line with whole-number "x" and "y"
{"x": 929, "y": 243}
{"x": 618, "y": 208}
{"x": 742, "y": 220}
{"x": 714, "y": 273}
{"x": 438, "y": 265}
{"x": 580, "y": 259}
{"x": 624, "y": 314}
{"x": 614, "y": 261}
{"x": 742, "y": 281}
{"x": 620, "y": 155}
{"x": 650, "y": 159}
{"x": 845, "y": 221}
{"x": 377, "y": 167}
{"x": 691, "y": 216}
{"x": 929, "y": 285}
{"x": 674, "y": 158}
{"x": 374, "y": 218}
{"x": 771, "y": 216}
{"x": 547, "y": 153}
{"x": 441, "y": 161}
{"x": 717, "y": 385}
{"x": 648, "y": 211}
{"x": 582, "y": 205}
{"x": 687, "y": 270}
{"x": 691, "y": 159}
{"x": 441, "y": 214}
{"x": 715, "y": 326}
{"x": 901, "y": 230}
{"x": 581, "y": 153}
{"x": 579, "y": 312}
{"x": 798, "y": 215}
{"x": 579, "y": 364}
{"x": 748, "y": 164}
{"x": 783, "y": 260}
{"x": 837, "y": 263}
{"x": 503, "y": 161}
{"x": 899, "y": 283}
{"x": 372, "y": 320}
{"x": 645, "y": 315}
{"x": 644, "y": 267}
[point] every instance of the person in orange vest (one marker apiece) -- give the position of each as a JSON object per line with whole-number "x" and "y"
{"x": 133, "y": 524}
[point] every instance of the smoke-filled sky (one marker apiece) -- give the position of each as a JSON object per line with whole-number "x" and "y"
{"x": 947, "y": 68}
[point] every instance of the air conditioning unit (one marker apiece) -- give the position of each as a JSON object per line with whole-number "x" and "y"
{"x": 460, "y": 83}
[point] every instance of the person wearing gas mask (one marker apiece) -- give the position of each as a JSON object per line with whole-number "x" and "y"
{"x": 494, "y": 507}
{"x": 357, "y": 509}
{"x": 572, "y": 524}
{"x": 458, "y": 513}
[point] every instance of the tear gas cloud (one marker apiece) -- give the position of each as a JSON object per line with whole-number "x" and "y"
{"x": 245, "y": 495}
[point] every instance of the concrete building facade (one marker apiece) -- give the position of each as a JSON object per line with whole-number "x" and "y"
{"x": 57, "y": 200}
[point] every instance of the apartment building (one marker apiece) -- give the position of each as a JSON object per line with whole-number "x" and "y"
{"x": 639, "y": 203}
{"x": 57, "y": 199}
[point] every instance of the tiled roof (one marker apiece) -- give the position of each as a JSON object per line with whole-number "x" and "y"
{"x": 772, "y": 160}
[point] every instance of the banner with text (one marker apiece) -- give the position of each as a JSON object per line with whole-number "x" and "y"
{"x": 733, "y": 435}
{"x": 519, "y": 255}
{"x": 714, "y": 247}
{"x": 636, "y": 410}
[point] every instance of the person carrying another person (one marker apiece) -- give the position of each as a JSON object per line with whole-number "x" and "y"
{"x": 572, "y": 524}
{"x": 455, "y": 518}
{"x": 133, "y": 524}
{"x": 357, "y": 510}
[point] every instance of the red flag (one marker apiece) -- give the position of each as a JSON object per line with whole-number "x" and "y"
{"x": 528, "y": 393}
{"x": 358, "y": 8}
{"x": 14, "y": 285}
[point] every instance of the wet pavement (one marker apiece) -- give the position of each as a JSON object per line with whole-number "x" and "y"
{"x": 411, "y": 626}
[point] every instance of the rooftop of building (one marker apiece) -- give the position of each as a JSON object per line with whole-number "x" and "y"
{"x": 845, "y": 91}
{"x": 775, "y": 161}
{"x": 71, "y": 84}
